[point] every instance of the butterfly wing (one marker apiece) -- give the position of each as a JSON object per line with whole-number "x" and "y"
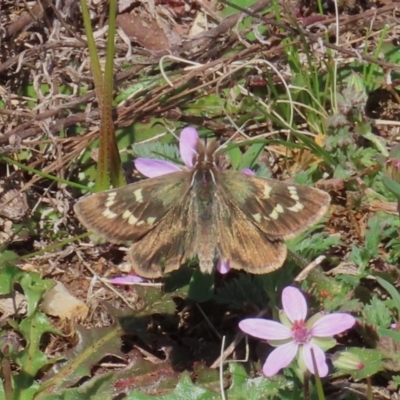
{"x": 242, "y": 243}
{"x": 157, "y": 210}
{"x": 278, "y": 209}
{"x": 166, "y": 247}
{"x": 254, "y": 216}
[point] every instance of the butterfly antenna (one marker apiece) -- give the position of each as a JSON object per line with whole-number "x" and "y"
{"x": 237, "y": 133}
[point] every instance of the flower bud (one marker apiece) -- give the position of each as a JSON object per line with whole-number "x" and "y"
{"x": 9, "y": 344}
{"x": 347, "y": 361}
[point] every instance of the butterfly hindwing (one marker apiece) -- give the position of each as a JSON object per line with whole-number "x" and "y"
{"x": 168, "y": 245}
{"x": 243, "y": 244}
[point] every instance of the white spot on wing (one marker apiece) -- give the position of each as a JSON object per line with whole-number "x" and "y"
{"x": 274, "y": 214}
{"x": 110, "y": 199}
{"x": 126, "y": 214}
{"x": 267, "y": 191}
{"x": 138, "y": 195}
{"x": 276, "y": 211}
{"x": 296, "y": 208}
{"x": 151, "y": 220}
{"x": 295, "y": 196}
{"x": 293, "y": 193}
{"x": 132, "y": 220}
{"x": 108, "y": 214}
{"x": 257, "y": 217}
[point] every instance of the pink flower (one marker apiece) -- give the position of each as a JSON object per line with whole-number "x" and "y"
{"x": 297, "y": 337}
{"x": 127, "y": 280}
{"x": 187, "y": 147}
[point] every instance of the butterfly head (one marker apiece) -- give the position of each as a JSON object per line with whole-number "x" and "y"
{"x": 206, "y": 161}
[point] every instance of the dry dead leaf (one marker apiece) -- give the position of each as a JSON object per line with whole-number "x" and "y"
{"x": 12, "y": 303}
{"x": 13, "y": 204}
{"x": 199, "y": 24}
{"x": 58, "y": 302}
{"x": 143, "y": 29}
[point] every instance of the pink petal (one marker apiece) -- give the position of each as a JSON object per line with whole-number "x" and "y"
{"x": 187, "y": 145}
{"x": 294, "y": 304}
{"x": 151, "y": 168}
{"x": 280, "y": 358}
{"x": 247, "y": 171}
{"x": 265, "y": 329}
{"x": 126, "y": 280}
{"x": 332, "y": 324}
{"x": 223, "y": 267}
{"x": 320, "y": 359}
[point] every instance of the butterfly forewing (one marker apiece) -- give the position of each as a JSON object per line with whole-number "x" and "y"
{"x": 160, "y": 206}
{"x": 276, "y": 208}
{"x": 130, "y": 212}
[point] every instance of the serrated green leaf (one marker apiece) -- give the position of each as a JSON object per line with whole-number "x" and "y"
{"x": 360, "y": 257}
{"x": 31, "y": 360}
{"x": 34, "y": 287}
{"x": 8, "y": 275}
{"x": 93, "y": 345}
{"x": 158, "y": 150}
{"x": 99, "y": 388}
{"x": 377, "y": 313}
{"x": 244, "y": 387}
{"x": 185, "y": 390}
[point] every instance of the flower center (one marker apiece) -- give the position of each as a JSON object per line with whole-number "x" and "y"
{"x": 300, "y": 333}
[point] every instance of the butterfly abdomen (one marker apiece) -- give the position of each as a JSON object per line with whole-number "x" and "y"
{"x": 204, "y": 193}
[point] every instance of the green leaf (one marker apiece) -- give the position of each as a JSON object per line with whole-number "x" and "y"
{"x": 377, "y": 313}
{"x": 185, "y": 390}
{"x": 201, "y": 286}
{"x": 8, "y": 275}
{"x": 373, "y": 236}
{"x": 34, "y": 287}
{"x": 392, "y": 186}
{"x": 360, "y": 257}
{"x": 372, "y": 360}
{"x": 235, "y": 155}
{"x": 388, "y": 333}
{"x": 394, "y": 294}
{"x": 244, "y": 387}
{"x": 158, "y": 150}
{"x": 93, "y": 345}
{"x": 31, "y": 360}
{"x": 99, "y": 388}
{"x": 251, "y": 156}
{"x": 316, "y": 149}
